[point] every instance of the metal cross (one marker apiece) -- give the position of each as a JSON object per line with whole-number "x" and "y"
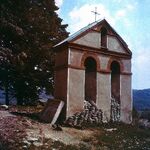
{"x": 95, "y": 12}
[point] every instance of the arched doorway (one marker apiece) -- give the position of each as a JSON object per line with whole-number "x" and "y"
{"x": 90, "y": 79}
{"x": 115, "y": 91}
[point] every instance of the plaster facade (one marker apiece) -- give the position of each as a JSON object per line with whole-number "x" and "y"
{"x": 75, "y": 91}
{"x": 114, "y": 45}
{"x": 91, "y": 39}
{"x": 126, "y": 96}
{"x": 71, "y": 72}
{"x": 103, "y": 94}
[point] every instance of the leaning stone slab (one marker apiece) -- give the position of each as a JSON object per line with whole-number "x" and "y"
{"x": 51, "y": 111}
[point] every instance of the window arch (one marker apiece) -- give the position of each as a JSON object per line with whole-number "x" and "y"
{"x": 90, "y": 64}
{"x": 94, "y": 57}
{"x": 103, "y": 37}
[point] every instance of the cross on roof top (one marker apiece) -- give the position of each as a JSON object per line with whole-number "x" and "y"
{"x": 95, "y": 13}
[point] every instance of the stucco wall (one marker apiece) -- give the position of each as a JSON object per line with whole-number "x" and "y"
{"x": 75, "y": 93}
{"x": 91, "y": 39}
{"x": 75, "y": 57}
{"x": 70, "y": 84}
{"x": 126, "y": 99}
{"x": 103, "y": 94}
{"x": 126, "y": 65}
{"x": 103, "y": 61}
{"x": 114, "y": 45}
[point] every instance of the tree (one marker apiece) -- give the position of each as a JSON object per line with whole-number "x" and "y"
{"x": 28, "y": 31}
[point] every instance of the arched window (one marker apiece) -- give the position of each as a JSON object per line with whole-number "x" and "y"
{"x": 103, "y": 37}
{"x": 90, "y": 79}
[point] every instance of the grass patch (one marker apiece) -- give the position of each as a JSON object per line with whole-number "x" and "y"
{"x": 125, "y": 137}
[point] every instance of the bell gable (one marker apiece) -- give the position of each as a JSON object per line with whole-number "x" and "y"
{"x": 99, "y": 35}
{"x": 102, "y": 36}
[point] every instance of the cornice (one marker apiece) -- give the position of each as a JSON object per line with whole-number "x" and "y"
{"x": 102, "y": 50}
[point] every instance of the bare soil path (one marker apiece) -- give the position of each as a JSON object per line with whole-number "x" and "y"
{"x": 21, "y": 132}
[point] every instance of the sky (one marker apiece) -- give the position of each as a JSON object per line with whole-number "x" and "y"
{"x": 131, "y": 20}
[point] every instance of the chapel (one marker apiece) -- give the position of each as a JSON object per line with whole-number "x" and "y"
{"x": 94, "y": 64}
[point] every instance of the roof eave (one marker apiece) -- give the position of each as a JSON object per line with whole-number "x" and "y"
{"x": 60, "y": 46}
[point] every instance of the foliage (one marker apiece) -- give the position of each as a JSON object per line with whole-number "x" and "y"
{"x": 28, "y": 30}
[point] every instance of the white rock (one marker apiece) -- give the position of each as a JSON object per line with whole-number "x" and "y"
{"x": 4, "y": 106}
{"x": 37, "y": 144}
{"x": 27, "y": 142}
{"x": 110, "y": 130}
{"x": 32, "y": 139}
{"x": 25, "y": 147}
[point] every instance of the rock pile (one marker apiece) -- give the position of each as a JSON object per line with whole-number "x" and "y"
{"x": 90, "y": 115}
{"x": 115, "y": 110}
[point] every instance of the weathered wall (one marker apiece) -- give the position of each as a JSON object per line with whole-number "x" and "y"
{"x": 60, "y": 75}
{"x": 104, "y": 94}
{"x": 91, "y": 39}
{"x": 61, "y": 58}
{"x": 126, "y": 65}
{"x": 60, "y": 87}
{"x": 75, "y": 58}
{"x": 70, "y": 84}
{"x": 75, "y": 91}
{"x": 103, "y": 61}
{"x": 114, "y": 45}
{"x": 126, "y": 99}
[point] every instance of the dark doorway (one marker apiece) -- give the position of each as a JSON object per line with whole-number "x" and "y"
{"x": 115, "y": 91}
{"x": 90, "y": 79}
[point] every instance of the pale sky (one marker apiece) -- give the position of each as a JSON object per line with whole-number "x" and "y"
{"x": 131, "y": 20}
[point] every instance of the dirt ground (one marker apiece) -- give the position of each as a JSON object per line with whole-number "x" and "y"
{"x": 20, "y": 129}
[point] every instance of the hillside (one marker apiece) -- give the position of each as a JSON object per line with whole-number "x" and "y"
{"x": 141, "y": 99}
